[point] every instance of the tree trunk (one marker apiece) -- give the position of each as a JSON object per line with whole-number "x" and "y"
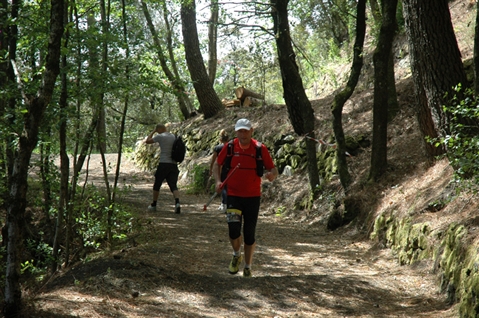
{"x": 105, "y": 29}
{"x": 27, "y": 141}
{"x": 183, "y": 98}
{"x": 341, "y": 98}
{"x": 376, "y": 12}
{"x": 45, "y": 171}
{"x": 64, "y": 160}
{"x": 173, "y": 78}
{"x": 382, "y": 60}
{"x": 299, "y": 107}
{"x": 126, "y": 103}
{"x": 393, "y": 105}
{"x": 95, "y": 70}
{"x": 241, "y": 93}
{"x": 108, "y": 196}
{"x": 8, "y": 42}
{"x": 476, "y": 52}
{"x": 212, "y": 40}
{"x": 433, "y": 52}
{"x": 78, "y": 140}
{"x": 210, "y": 104}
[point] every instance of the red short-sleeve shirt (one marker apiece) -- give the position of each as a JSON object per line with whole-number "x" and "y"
{"x": 245, "y": 182}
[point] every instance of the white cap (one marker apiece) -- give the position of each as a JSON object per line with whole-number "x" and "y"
{"x": 243, "y": 123}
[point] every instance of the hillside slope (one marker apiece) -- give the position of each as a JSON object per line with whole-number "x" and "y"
{"x": 175, "y": 265}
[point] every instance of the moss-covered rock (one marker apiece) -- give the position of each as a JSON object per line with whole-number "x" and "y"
{"x": 409, "y": 241}
{"x": 458, "y": 260}
{"x": 469, "y": 294}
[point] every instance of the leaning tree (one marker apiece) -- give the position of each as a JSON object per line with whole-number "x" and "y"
{"x": 210, "y": 104}
{"x": 341, "y": 98}
{"x": 299, "y": 107}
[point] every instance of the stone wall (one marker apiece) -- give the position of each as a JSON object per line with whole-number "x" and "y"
{"x": 454, "y": 252}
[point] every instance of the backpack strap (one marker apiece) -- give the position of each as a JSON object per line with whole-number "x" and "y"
{"x": 259, "y": 160}
{"x": 229, "y": 155}
{"x": 227, "y": 164}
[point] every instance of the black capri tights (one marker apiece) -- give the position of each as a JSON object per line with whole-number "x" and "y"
{"x": 168, "y": 172}
{"x": 243, "y": 211}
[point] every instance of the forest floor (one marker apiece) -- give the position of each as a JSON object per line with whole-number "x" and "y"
{"x": 176, "y": 265}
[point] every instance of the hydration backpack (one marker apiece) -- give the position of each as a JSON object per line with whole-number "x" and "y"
{"x": 229, "y": 155}
{"x": 179, "y": 150}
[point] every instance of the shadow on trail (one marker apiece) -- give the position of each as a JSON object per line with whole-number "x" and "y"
{"x": 178, "y": 266}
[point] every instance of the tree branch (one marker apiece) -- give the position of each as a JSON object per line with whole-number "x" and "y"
{"x": 19, "y": 81}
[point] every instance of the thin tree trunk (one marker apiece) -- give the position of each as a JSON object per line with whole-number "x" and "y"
{"x": 127, "y": 98}
{"x": 476, "y": 53}
{"x": 393, "y": 105}
{"x": 212, "y": 40}
{"x": 76, "y": 166}
{"x": 175, "y": 80}
{"x": 45, "y": 171}
{"x": 341, "y": 98}
{"x": 101, "y": 128}
{"x": 375, "y": 11}
{"x": 5, "y": 79}
{"x": 27, "y": 141}
{"x": 8, "y": 42}
{"x": 105, "y": 29}
{"x": 86, "y": 145}
{"x": 64, "y": 160}
{"x": 108, "y": 195}
{"x": 382, "y": 60}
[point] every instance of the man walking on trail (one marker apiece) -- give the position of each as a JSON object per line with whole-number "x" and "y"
{"x": 243, "y": 189}
{"x": 167, "y": 168}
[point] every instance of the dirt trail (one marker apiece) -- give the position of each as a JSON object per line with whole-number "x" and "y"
{"x": 176, "y": 265}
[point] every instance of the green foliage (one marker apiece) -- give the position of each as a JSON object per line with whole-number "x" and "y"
{"x": 462, "y": 144}
{"x": 200, "y": 179}
{"x": 43, "y": 257}
{"x": 280, "y": 211}
{"x": 400, "y": 17}
{"x": 91, "y": 222}
{"x": 334, "y": 50}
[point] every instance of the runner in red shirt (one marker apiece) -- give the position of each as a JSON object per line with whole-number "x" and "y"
{"x": 244, "y": 191}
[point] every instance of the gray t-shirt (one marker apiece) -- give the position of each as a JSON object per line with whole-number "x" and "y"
{"x": 165, "y": 140}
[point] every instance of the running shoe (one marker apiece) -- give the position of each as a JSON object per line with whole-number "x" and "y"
{"x": 152, "y": 207}
{"x": 234, "y": 264}
{"x": 247, "y": 272}
{"x": 177, "y": 208}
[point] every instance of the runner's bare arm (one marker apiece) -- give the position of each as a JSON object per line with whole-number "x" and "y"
{"x": 213, "y": 160}
{"x": 149, "y": 139}
{"x": 217, "y": 175}
{"x": 271, "y": 174}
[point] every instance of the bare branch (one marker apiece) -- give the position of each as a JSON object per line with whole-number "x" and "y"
{"x": 248, "y": 27}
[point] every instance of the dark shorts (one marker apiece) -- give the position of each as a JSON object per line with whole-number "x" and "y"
{"x": 243, "y": 211}
{"x": 168, "y": 172}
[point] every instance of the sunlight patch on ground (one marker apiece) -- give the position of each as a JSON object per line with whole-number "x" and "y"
{"x": 80, "y": 305}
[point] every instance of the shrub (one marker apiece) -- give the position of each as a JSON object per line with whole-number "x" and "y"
{"x": 463, "y": 142}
